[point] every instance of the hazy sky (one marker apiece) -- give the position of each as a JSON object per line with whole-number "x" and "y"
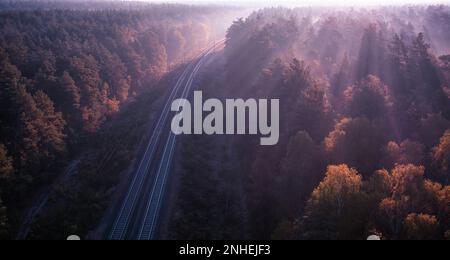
{"x": 311, "y": 2}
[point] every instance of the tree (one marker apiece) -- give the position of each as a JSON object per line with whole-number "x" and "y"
{"x": 407, "y": 181}
{"x": 329, "y": 40}
{"x": 302, "y": 170}
{"x": 157, "y": 55}
{"x": 122, "y": 89}
{"x": 369, "y": 98}
{"x": 443, "y": 198}
{"x": 337, "y": 208}
{"x": 421, "y": 227}
{"x": 441, "y": 157}
{"x": 427, "y": 77}
{"x": 6, "y": 169}
{"x": 176, "y": 44}
{"x": 85, "y": 71}
{"x": 390, "y": 217}
{"x": 305, "y": 103}
{"x": 379, "y": 185}
{"x": 404, "y": 198}
{"x": 371, "y": 55}
{"x": 411, "y": 193}
{"x": 343, "y": 77}
{"x": 445, "y": 62}
{"x": 115, "y": 73}
{"x": 356, "y": 142}
{"x": 10, "y": 80}
{"x": 399, "y": 53}
{"x": 420, "y": 48}
{"x": 41, "y": 129}
{"x": 431, "y": 128}
{"x": 399, "y": 58}
{"x": 408, "y": 152}
{"x": 78, "y": 68}
{"x": 6, "y": 166}
{"x": 287, "y": 230}
{"x": 71, "y": 94}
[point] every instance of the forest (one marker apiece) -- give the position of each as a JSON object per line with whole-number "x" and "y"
{"x": 67, "y": 69}
{"x": 365, "y": 131}
{"x": 364, "y": 93}
{"x": 365, "y": 104}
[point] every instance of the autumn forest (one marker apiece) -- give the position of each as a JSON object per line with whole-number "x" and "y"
{"x": 364, "y": 119}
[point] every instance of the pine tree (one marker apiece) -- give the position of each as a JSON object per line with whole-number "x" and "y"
{"x": 6, "y": 166}
{"x": 399, "y": 53}
{"x": 369, "y": 98}
{"x": 71, "y": 93}
{"x": 302, "y": 169}
{"x": 371, "y": 55}
{"x": 10, "y": 79}
{"x": 53, "y": 124}
{"x": 342, "y": 78}
{"x": 41, "y": 130}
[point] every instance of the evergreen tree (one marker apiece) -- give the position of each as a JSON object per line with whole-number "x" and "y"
{"x": 41, "y": 130}
{"x": 71, "y": 94}
{"x": 371, "y": 55}
{"x": 6, "y": 166}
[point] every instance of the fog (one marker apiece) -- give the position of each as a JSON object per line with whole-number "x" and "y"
{"x": 292, "y": 3}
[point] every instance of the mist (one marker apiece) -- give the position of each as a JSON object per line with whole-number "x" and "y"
{"x": 360, "y": 120}
{"x": 305, "y": 3}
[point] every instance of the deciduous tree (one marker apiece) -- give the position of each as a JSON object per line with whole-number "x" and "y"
{"x": 338, "y": 206}
{"x": 441, "y": 157}
{"x": 421, "y": 227}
